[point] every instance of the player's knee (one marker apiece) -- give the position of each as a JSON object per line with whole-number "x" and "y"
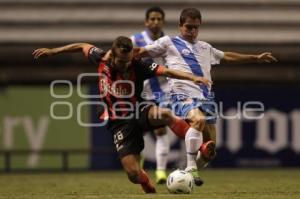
{"x": 167, "y": 115}
{"x": 197, "y": 123}
{"x": 160, "y": 132}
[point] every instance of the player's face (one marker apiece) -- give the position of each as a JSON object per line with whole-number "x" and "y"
{"x": 155, "y": 22}
{"x": 189, "y": 29}
{"x": 121, "y": 61}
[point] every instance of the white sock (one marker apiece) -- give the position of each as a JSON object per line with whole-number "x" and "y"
{"x": 193, "y": 141}
{"x": 162, "y": 151}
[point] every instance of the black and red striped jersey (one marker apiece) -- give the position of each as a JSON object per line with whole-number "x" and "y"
{"x": 121, "y": 92}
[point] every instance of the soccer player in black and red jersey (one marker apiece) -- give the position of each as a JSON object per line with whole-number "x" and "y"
{"x": 121, "y": 79}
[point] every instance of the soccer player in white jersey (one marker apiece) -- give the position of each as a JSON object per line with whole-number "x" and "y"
{"x": 156, "y": 88}
{"x": 191, "y": 101}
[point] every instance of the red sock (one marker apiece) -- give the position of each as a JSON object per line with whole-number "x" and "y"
{"x": 143, "y": 177}
{"x": 179, "y": 127}
{"x": 145, "y": 182}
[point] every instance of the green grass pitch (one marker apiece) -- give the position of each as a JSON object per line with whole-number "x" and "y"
{"x": 219, "y": 184}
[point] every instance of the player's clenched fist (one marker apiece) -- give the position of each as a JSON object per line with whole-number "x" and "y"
{"x": 202, "y": 80}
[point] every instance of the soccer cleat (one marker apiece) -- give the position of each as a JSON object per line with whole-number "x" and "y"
{"x": 194, "y": 172}
{"x": 207, "y": 150}
{"x": 148, "y": 187}
{"x": 161, "y": 176}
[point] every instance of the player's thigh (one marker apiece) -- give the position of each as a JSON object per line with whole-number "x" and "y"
{"x": 128, "y": 138}
{"x": 209, "y": 132}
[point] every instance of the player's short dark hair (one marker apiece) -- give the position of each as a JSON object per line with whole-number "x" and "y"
{"x": 155, "y": 9}
{"x": 124, "y": 44}
{"x": 189, "y": 13}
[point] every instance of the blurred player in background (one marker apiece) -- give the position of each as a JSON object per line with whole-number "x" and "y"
{"x": 190, "y": 101}
{"x": 156, "y": 88}
{"x": 121, "y": 78}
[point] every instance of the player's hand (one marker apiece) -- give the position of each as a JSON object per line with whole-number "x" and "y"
{"x": 107, "y": 56}
{"x": 202, "y": 80}
{"x": 266, "y": 58}
{"x": 42, "y": 52}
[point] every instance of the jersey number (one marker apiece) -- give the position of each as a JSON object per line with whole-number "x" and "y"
{"x": 153, "y": 66}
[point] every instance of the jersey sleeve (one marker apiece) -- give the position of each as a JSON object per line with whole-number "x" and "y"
{"x": 150, "y": 69}
{"x": 133, "y": 40}
{"x": 159, "y": 47}
{"x": 94, "y": 54}
{"x": 215, "y": 56}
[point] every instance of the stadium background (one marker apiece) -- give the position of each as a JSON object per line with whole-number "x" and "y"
{"x": 31, "y": 139}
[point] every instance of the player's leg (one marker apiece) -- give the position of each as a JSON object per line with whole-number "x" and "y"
{"x": 156, "y": 117}
{"x": 193, "y": 141}
{"x": 136, "y": 174}
{"x": 207, "y": 150}
{"x": 162, "y": 150}
{"x": 193, "y": 135}
{"x": 129, "y": 142}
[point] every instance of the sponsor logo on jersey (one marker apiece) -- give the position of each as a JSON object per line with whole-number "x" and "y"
{"x": 186, "y": 51}
{"x": 117, "y": 89}
{"x": 95, "y": 49}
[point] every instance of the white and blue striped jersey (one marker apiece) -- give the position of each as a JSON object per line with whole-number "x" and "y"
{"x": 194, "y": 58}
{"x": 156, "y": 88}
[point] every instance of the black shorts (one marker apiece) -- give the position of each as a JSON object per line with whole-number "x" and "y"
{"x": 128, "y": 134}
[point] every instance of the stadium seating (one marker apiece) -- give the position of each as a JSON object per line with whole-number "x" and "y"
{"x": 239, "y": 25}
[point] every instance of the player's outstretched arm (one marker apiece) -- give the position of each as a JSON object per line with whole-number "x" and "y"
{"x": 183, "y": 75}
{"x": 233, "y": 57}
{"x": 45, "y": 52}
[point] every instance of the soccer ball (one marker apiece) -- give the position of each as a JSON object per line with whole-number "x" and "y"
{"x": 180, "y": 182}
